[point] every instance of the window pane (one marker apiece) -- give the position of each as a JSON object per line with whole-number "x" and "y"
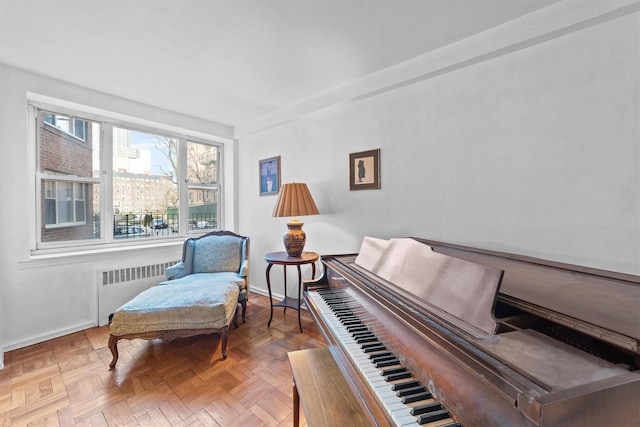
{"x": 79, "y": 128}
{"x": 62, "y": 122}
{"x": 79, "y": 202}
{"x": 50, "y": 211}
{"x": 144, "y": 181}
{"x": 64, "y": 196}
{"x": 86, "y": 223}
{"x": 50, "y": 190}
{"x": 80, "y": 211}
{"x": 202, "y": 173}
{"x": 62, "y": 154}
{"x": 203, "y": 208}
{"x": 202, "y": 163}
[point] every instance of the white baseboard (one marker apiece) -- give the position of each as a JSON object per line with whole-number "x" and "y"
{"x": 35, "y": 339}
{"x": 1, "y": 359}
{"x": 260, "y": 291}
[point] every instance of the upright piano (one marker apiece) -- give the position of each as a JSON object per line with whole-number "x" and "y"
{"x": 438, "y": 334}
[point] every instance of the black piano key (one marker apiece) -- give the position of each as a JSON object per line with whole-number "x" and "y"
{"x": 365, "y": 340}
{"x": 371, "y": 344}
{"x": 390, "y": 371}
{"x": 381, "y": 358}
{"x": 454, "y": 424}
{"x": 383, "y": 363}
{"x": 428, "y": 407}
{"x": 433, "y": 416}
{"x": 416, "y": 397}
{"x": 410, "y": 390}
{"x": 351, "y": 322}
{"x": 377, "y": 355}
{"x": 374, "y": 348}
{"x": 405, "y": 384}
{"x": 363, "y": 334}
{"x": 398, "y": 376}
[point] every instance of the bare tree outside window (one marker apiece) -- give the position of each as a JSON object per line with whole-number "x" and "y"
{"x": 202, "y": 179}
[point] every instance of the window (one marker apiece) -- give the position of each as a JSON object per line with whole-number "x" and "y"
{"x": 68, "y": 178}
{"x": 145, "y": 171}
{"x": 137, "y": 198}
{"x": 64, "y": 203}
{"x": 70, "y": 125}
{"x": 202, "y": 175}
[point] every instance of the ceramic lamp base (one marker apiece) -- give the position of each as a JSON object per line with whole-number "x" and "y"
{"x": 294, "y": 239}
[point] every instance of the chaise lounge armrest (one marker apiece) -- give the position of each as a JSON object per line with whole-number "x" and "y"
{"x": 176, "y": 271}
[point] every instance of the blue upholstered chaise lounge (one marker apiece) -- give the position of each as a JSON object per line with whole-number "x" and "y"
{"x": 201, "y": 295}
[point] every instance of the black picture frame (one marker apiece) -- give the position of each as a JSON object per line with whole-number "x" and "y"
{"x": 364, "y": 170}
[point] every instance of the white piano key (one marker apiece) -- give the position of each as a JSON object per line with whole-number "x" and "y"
{"x": 399, "y": 412}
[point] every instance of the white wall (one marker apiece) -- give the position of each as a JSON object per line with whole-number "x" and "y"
{"x": 524, "y": 139}
{"x": 41, "y": 299}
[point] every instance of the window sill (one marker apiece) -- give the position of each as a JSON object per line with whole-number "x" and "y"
{"x": 76, "y": 255}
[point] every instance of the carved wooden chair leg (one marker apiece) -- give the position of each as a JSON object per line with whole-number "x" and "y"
{"x": 244, "y": 309}
{"x": 224, "y": 335}
{"x": 235, "y": 318}
{"x": 113, "y": 346}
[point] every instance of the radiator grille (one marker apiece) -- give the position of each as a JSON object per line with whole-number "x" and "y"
{"x": 116, "y": 286}
{"x": 129, "y": 274}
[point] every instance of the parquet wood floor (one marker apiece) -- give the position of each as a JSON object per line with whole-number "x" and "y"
{"x": 66, "y": 381}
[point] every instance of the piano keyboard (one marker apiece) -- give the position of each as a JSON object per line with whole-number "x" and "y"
{"x": 406, "y": 400}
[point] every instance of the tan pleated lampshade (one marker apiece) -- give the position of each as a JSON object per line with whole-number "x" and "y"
{"x": 294, "y": 200}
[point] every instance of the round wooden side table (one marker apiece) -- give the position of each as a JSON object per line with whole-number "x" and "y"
{"x": 281, "y": 258}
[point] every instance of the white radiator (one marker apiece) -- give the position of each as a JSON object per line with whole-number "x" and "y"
{"x": 117, "y": 286}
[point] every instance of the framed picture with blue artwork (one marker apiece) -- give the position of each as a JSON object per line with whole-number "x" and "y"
{"x": 269, "y": 176}
{"x": 364, "y": 170}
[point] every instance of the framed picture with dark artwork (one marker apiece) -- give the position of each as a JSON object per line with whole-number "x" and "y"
{"x": 364, "y": 170}
{"x": 269, "y": 176}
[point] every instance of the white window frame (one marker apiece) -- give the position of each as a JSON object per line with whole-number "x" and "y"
{"x": 105, "y": 180}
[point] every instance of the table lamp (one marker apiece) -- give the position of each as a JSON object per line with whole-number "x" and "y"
{"x": 294, "y": 200}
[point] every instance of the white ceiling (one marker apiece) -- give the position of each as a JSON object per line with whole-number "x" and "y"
{"x": 231, "y": 61}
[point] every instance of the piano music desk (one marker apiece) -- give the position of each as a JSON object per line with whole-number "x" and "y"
{"x": 281, "y": 258}
{"x": 326, "y": 397}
